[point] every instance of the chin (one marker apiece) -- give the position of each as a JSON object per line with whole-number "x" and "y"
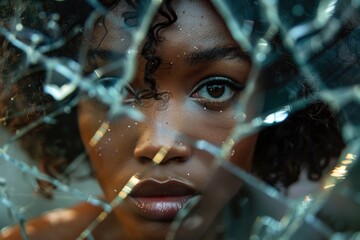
{"x": 136, "y": 227}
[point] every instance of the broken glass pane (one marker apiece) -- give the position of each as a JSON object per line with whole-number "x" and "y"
{"x": 179, "y": 119}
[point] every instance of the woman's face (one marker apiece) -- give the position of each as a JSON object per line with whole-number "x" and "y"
{"x": 202, "y": 73}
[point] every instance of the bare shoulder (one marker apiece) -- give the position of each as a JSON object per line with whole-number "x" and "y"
{"x": 65, "y": 224}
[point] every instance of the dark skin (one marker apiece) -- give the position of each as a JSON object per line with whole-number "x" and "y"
{"x": 207, "y": 73}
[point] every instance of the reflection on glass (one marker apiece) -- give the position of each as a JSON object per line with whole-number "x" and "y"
{"x": 179, "y": 119}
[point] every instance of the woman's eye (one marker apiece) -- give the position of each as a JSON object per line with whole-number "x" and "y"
{"x": 110, "y": 83}
{"x": 216, "y": 92}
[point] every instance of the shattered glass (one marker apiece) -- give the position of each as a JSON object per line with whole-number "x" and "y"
{"x": 318, "y": 40}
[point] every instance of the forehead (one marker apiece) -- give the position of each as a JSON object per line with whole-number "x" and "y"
{"x": 197, "y": 23}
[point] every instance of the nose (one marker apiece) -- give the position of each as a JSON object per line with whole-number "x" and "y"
{"x": 161, "y": 145}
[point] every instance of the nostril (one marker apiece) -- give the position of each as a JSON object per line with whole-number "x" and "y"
{"x": 176, "y": 159}
{"x": 157, "y": 145}
{"x": 161, "y": 154}
{"x": 144, "y": 159}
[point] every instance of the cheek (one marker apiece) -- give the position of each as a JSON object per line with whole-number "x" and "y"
{"x": 110, "y": 154}
{"x": 109, "y": 136}
{"x": 243, "y": 152}
{"x": 212, "y": 126}
{"x": 89, "y": 120}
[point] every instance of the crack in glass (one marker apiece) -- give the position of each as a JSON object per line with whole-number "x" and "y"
{"x": 302, "y": 59}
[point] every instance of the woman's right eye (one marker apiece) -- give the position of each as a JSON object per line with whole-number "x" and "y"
{"x": 216, "y": 92}
{"x": 126, "y": 90}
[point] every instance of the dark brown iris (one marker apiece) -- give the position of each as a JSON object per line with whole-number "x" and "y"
{"x": 216, "y": 90}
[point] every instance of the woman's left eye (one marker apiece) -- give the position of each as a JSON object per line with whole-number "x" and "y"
{"x": 216, "y": 91}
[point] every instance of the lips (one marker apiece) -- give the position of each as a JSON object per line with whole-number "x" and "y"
{"x": 161, "y": 201}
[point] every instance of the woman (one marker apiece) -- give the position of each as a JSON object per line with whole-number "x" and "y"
{"x": 190, "y": 74}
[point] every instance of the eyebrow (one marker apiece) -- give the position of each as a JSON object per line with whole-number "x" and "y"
{"x": 216, "y": 54}
{"x": 197, "y": 57}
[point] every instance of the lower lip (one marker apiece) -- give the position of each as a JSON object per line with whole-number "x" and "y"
{"x": 160, "y": 208}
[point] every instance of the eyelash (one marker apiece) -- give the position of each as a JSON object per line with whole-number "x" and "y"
{"x": 209, "y": 102}
{"x": 216, "y": 103}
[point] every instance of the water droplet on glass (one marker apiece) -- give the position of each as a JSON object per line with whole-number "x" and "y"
{"x": 49, "y": 120}
{"x": 55, "y": 16}
{"x": 36, "y": 38}
{"x": 243, "y": 116}
{"x": 67, "y": 109}
{"x": 260, "y": 57}
{"x": 19, "y": 27}
{"x": 193, "y": 222}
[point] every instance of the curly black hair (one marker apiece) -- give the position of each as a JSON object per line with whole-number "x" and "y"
{"x": 308, "y": 139}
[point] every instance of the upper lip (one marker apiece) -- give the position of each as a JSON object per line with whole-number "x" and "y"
{"x": 154, "y": 188}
